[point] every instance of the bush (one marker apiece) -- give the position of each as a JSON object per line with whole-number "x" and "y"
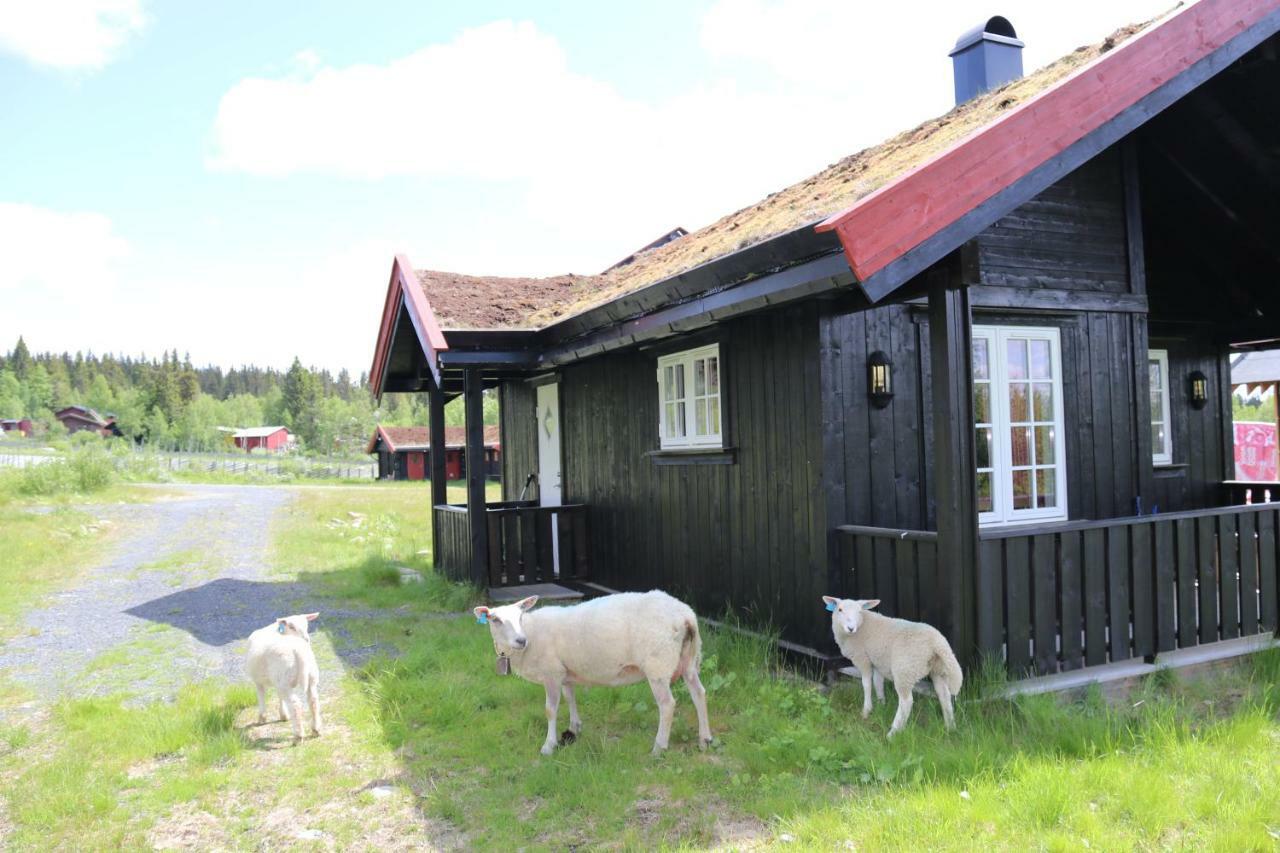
{"x": 85, "y": 470}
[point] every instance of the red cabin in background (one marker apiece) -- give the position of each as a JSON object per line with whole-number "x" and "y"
{"x": 22, "y": 426}
{"x": 84, "y": 419}
{"x": 404, "y": 452}
{"x": 270, "y": 438}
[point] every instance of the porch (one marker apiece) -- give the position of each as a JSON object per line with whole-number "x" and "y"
{"x": 1055, "y": 598}
{"x": 525, "y": 544}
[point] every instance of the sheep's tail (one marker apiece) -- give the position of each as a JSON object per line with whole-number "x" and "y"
{"x": 690, "y": 649}
{"x": 944, "y": 663}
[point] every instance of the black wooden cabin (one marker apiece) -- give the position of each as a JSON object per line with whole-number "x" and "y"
{"x": 992, "y": 391}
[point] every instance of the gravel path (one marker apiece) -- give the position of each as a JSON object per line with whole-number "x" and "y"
{"x": 186, "y": 581}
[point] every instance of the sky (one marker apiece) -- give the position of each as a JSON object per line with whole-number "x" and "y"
{"x": 232, "y": 179}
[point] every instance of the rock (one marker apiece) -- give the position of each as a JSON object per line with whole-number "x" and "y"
{"x": 354, "y": 514}
{"x": 381, "y": 792}
{"x": 309, "y": 835}
{"x": 425, "y": 552}
{"x": 408, "y": 575}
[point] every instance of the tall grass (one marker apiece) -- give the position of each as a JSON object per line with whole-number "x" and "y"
{"x": 84, "y": 470}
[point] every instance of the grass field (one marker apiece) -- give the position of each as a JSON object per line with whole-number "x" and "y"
{"x": 427, "y": 745}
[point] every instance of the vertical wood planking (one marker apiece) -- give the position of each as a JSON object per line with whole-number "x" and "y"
{"x": 1188, "y": 600}
{"x": 1248, "y": 533}
{"x": 990, "y": 597}
{"x": 1044, "y": 592}
{"x": 1206, "y": 556}
{"x": 907, "y": 562}
{"x": 1143, "y": 593}
{"x": 1095, "y": 597}
{"x": 1166, "y": 580}
{"x": 1269, "y": 603}
{"x": 1228, "y": 580}
{"x": 1017, "y": 555}
{"x": 1072, "y": 587}
{"x": 1118, "y": 605}
{"x": 886, "y": 586}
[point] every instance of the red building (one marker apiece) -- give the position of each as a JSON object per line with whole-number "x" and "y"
{"x": 84, "y": 419}
{"x": 270, "y": 438}
{"x": 22, "y": 426}
{"x": 404, "y": 453}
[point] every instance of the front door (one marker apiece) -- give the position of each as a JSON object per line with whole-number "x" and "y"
{"x": 549, "y": 491}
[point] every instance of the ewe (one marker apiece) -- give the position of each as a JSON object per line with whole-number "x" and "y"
{"x": 280, "y": 656}
{"x": 614, "y": 640}
{"x": 902, "y": 651}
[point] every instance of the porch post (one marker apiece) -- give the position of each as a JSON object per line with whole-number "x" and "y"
{"x": 951, "y": 359}
{"x": 439, "y": 492}
{"x": 472, "y": 385}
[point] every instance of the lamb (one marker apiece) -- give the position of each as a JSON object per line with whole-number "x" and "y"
{"x": 613, "y": 640}
{"x": 280, "y": 656}
{"x": 903, "y": 651}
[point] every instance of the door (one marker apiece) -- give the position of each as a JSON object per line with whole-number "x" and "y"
{"x": 417, "y": 466}
{"x": 549, "y": 486}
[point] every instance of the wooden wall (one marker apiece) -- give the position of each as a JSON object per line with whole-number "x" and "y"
{"x": 751, "y": 534}
{"x": 519, "y": 436}
{"x": 1203, "y": 453}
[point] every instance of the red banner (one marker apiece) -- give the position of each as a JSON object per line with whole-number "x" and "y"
{"x": 1256, "y": 457}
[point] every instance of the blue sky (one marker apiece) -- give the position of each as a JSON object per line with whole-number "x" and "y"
{"x": 232, "y": 179}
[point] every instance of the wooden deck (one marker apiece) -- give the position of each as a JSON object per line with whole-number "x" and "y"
{"x": 544, "y": 591}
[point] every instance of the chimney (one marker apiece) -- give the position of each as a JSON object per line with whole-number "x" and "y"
{"x": 985, "y": 57}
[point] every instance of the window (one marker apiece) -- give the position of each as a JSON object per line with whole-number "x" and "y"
{"x": 1017, "y": 404}
{"x": 1161, "y": 427}
{"x": 689, "y": 397}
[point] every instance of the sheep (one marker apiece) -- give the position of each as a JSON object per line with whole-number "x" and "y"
{"x": 280, "y": 656}
{"x": 613, "y": 640}
{"x": 903, "y": 651}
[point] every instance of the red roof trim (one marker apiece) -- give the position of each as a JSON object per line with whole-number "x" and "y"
{"x": 403, "y": 290}
{"x": 893, "y": 220}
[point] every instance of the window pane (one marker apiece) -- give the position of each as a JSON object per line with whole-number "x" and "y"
{"x": 1153, "y": 372}
{"x": 1157, "y": 403}
{"x": 1157, "y": 438}
{"x": 1019, "y": 406}
{"x": 1043, "y": 392}
{"x": 1022, "y": 490}
{"x": 700, "y": 417}
{"x": 981, "y": 359}
{"x": 982, "y": 447}
{"x": 713, "y": 375}
{"x": 1020, "y": 444}
{"x": 1044, "y": 445}
{"x": 700, "y": 377}
{"x": 679, "y": 420}
{"x": 680, "y": 381}
{"x": 1041, "y": 362}
{"x": 668, "y": 383}
{"x": 1046, "y": 493}
{"x": 671, "y": 420}
{"x": 982, "y": 403}
{"x": 986, "y": 503}
{"x": 714, "y": 402}
{"x": 1017, "y": 358}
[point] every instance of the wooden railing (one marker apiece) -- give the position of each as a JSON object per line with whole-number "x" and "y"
{"x": 899, "y": 567}
{"x": 1060, "y": 597}
{"x": 521, "y": 549}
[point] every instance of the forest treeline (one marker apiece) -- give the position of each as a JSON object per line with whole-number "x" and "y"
{"x": 170, "y": 403}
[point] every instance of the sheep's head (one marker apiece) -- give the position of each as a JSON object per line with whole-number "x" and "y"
{"x": 505, "y": 624}
{"x": 297, "y": 626}
{"x": 846, "y": 613}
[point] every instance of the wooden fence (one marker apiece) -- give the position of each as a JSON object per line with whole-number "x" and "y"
{"x": 899, "y": 567}
{"x": 520, "y": 543}
{"x": 1061, "y": 597}
{"x": 453, "y": 551}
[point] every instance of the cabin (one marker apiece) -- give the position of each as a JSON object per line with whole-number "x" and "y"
{"x": 84, "y": 419}
{"x": 272, "y": 439}
{"x": 21, "y": 426}
{"x": 979, "y": 372}
{"x": 1256, "y": 375}
{"x": 404, "y": 452}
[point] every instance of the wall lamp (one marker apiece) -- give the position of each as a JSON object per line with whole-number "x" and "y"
{"x": 1199, "y": 389}
{"x": 879, "y": 379}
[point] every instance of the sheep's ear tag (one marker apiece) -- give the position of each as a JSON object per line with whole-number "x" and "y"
{"x": 831, "y": 606}
{"x": 280, "y": 627}
{"x": 504, "y": 665}
{"x": 482, "y": 619}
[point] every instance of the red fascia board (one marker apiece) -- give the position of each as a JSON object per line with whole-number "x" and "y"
{"x": 404, "y": 291}
{"x": 902, "y": 214}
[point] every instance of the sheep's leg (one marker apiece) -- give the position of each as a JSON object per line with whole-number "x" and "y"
{"x": 865, "y": 669}
{"x": 262, "y": 703}
{"x": 575, "y": 722}
{"x": 284, "y": 707}
{"x": 903, "y": 687}
{"x": 877, "y": 680}
{"x": 290, "y": 700}
{"x": 662, "y": 694}
{"x": 944, "y": 699}
{"x": 698, "y": 694}
{"x": 553, "y": 711}
{"x": 313, "y": 700}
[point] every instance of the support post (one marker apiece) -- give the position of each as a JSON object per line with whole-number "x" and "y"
{"x": 439, "y": 490}
{"x": 951, "y": 357}
{"x": 472, "y": 387}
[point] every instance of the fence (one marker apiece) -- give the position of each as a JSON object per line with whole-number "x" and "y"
{"x": 215, "y": 463}
{"x": 523, "y": 541}
{"x": 899, "y": 567}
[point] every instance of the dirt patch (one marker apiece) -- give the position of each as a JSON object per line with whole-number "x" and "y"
{"x": 187, "y": 827}
{"x": 731, "y": 830}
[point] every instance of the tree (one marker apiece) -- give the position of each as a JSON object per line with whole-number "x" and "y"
{"x": 12, "y": 404}
{"x": 301, "y": 398}
{"x": 21, "y": 359}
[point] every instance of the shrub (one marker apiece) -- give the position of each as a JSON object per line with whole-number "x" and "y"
{"x": 85, "y": 470}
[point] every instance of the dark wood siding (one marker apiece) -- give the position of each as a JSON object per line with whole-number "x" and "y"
{"x": 1202, "y": 439}
{"x": 750, "y": 535}
{"x": 519, "y": 437}
{"x": 1070, "y": 237}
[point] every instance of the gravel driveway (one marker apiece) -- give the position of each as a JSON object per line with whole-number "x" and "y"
{"x": 172, "y": 600}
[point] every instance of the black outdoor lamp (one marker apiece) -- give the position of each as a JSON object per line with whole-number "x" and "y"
{"x": 1199, "y": 389}
{"x": 879, "y": 380}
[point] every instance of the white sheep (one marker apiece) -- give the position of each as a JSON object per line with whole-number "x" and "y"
{"x": 280, "y": 656}
{"x": 613, "y": 640}
{"x": 902, "y": 651}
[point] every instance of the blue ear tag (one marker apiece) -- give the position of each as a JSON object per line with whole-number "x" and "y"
{"x": 280, "y": 627}
{"x": 482, "y": 619}
{"x": 831, "y": 607}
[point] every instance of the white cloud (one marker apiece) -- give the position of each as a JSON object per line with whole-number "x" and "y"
{"x": 58, "y": 252}
{"x": 70, "y": 34}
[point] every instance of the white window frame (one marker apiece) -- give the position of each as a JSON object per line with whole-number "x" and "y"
{"x": 1162, "y": 455}
{"x": 1002, "y": 512}
{"x": 686, "y": 360}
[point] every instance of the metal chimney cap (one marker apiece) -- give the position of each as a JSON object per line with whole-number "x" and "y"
{"x": 996, "y": 29}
